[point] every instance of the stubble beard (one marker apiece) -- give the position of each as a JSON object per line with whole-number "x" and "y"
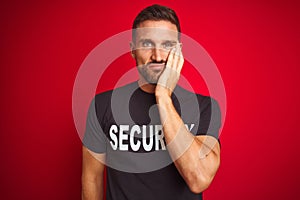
{"x": 151, "y": 76}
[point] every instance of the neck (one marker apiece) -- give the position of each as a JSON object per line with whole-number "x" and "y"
{"x": 146, "y": 87}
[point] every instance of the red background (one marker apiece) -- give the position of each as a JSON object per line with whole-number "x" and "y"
{"x": 255, "y": 45}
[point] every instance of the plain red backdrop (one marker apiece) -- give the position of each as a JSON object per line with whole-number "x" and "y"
{"x": 255, "y": 45}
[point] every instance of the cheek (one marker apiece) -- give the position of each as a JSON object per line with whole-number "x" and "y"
{"x": 142, "y": 57}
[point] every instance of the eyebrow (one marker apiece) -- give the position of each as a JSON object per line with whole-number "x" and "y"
{"x": 145, "y": 40}
{"x": 150, "y": 40}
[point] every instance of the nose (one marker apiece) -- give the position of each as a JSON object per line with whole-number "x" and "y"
{"x": 157, "y": 55}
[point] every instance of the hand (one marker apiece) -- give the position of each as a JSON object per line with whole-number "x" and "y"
{"x": 170, "y": 76}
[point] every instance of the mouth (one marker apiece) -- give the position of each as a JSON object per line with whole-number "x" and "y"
{"x": 156, "y": 66}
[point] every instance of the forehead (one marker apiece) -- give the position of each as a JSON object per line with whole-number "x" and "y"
{"x": 156, "y": 30}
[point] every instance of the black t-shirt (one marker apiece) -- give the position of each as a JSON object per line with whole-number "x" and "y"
{"x": 125, "y": 125}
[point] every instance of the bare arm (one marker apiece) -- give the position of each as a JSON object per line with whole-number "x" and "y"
{"x": 92, "y": 175}
{"x": 197, "y": 158}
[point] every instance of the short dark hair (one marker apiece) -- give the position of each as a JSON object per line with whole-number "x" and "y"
{"x": 156, "y": 13}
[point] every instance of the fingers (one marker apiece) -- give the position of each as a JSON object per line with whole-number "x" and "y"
{"x": 175, "y": 58}
{"x": 170, "y": 58}
{"x": 179, "y": 59}
{"x": 170, "y": 76}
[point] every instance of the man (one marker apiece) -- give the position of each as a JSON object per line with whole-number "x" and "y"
{"x": 157, "y": 140}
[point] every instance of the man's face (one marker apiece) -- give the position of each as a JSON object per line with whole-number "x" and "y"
{"x": 153, "y": 42}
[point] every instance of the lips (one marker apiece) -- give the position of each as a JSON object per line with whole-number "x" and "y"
{"x": 156, "y": 66}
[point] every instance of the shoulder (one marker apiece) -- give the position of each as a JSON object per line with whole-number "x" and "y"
{"x": 105, "y": 97}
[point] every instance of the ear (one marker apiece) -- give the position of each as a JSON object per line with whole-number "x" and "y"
{"x": 132, "y": 49}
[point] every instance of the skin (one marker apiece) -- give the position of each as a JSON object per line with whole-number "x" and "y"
{"x": 197, "y": 158}
{"x": 92, "y": 175}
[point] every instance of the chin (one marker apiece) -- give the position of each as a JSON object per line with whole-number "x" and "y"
{"x": 152, "y": 82}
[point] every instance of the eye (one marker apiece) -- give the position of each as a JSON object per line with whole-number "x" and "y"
{"x": 147, "y": 44}
{"x": 168, "y": 45}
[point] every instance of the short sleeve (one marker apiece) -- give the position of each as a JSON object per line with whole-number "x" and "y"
{"x": 94, "y": 138}
{"x": 210, "y": 118}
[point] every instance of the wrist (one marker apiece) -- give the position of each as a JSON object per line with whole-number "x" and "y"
{"x": 162, "y": 91}
{"x": 163, "y": 99}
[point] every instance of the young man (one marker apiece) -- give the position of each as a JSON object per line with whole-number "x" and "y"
{"x": 157, "y": 140}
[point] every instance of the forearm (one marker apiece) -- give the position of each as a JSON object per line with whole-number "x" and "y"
{"x": 92, "y": 175}
{"x": 186, "y": 149}
{"x": 92, "y": 189}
